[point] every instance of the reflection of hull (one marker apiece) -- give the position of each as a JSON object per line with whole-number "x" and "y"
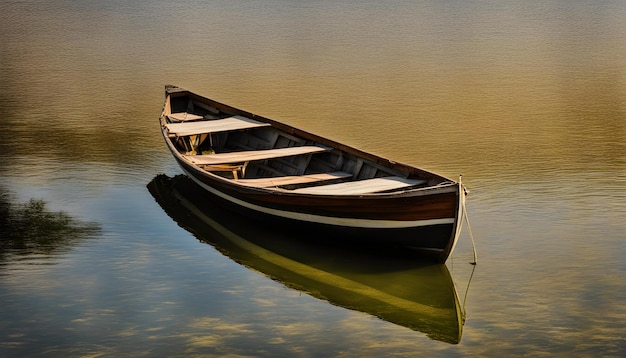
{"x": 394, "y": 287}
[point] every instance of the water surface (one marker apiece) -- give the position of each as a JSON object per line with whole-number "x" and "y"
{"x": 526, "y": 99}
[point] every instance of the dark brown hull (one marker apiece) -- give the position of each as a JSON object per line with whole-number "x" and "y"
{"x": 425, "y": 219}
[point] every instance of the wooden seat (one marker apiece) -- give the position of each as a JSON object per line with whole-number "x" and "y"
{"x": 252, "y": 155}
{"x": 293, "y": 179}
{"x": 184, "y": 117}
{"x": 233, "y": 168}
{"x": 357, "y": 187}
{"x": 212, "y": 126}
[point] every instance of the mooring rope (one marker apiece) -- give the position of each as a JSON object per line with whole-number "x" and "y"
{"x": 469, "y": 228}
{"x": 465, "y": 192}
{"x": 466, "y": 292}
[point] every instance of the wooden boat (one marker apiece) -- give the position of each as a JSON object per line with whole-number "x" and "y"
{"x": 273, "y": 170}
{"x": 398, "y": 287}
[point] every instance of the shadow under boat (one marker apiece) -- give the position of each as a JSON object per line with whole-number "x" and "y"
{"x": 395, "y": 286}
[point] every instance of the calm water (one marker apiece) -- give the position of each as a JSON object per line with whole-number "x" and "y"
{"x": 526, "y": 99}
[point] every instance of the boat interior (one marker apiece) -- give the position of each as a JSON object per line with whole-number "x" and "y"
{"x": 258, "y": 154}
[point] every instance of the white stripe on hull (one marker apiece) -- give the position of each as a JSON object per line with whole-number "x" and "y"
{"x": 350, "y": 222}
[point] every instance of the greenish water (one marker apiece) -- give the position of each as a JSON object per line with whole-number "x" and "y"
{"x": 526, "y": 99}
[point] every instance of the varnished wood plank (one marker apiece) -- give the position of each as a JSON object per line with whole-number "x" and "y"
{"x": 184, "y": 116}
{"x": 212, "y": 126}
{"x": 358, "y": 187}
{"x": 293, "y": 179}
{"x": 247, "y": 156}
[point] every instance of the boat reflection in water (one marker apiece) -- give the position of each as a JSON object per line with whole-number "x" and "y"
{"x": 401, "y": 289}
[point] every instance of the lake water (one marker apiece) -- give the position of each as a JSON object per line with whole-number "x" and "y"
{"x": 526, "y": 99}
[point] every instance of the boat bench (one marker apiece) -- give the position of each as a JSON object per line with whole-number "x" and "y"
{"x": 216, "y": 125}
{"x": 357, "y": 187}
{"x": 184, "y": 117}
{"x": 233, "y": 168}
{"x": 224, "y": 161}
{"x": 293, "y": 179}
{"x": 252, "y": 155}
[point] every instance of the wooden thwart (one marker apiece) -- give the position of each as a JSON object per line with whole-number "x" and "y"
{"x": 184, "y": 116}
{"x": 295, "y": 179}
{"x": 358, "y": 187}
{"x": 233, "y": 168}
{"x": 248, "y": 156}
{"x": 212, "y": 126}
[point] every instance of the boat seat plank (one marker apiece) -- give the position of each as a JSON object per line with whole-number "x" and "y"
{"x": 252, "y": 155}
{"x": 358, "y": 187}
{"x": 212, "y": 126}
{"x": 294, "y": 179}
{"x": 233, "y": 168}
{"x": 184, "y": 117}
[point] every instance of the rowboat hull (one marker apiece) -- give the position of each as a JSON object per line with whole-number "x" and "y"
{"x": 425, "y": 218}
{"x": 349, "y": 219}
